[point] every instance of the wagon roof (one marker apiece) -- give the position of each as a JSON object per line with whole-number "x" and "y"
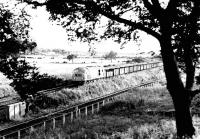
{"x": 122, "y": 65}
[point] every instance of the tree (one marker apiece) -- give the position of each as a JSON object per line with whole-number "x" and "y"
{"x": 92, "y": 51}
{"x": 14, "y": 39}
{"x": 175, "y": 24}
{"x": 71, "y": 57}
{"x": 59, "y": 51}
{"x": 111, "y": 55}
{"x": 21, "y": 74}
{"x": 26, "y": 79}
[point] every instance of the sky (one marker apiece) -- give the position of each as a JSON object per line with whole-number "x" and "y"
{"x": 49, "y": 35}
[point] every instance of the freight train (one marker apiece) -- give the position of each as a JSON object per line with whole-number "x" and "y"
{"x": 89, "y": 73}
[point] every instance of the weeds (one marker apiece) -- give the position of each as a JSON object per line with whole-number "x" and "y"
{"x": 7, "y": 91}
{"x": 105, "y": 86}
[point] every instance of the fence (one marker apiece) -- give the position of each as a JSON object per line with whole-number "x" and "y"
{"x": 69, "y": 113}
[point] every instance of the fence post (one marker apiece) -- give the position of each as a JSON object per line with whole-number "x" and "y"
{"x": 63, "y": 119}
{"x": 54, "y": 123}
{"x": 18, "y": 134}
{"x": 86, "y": 111}
{"x": 103, "y": 103}
{"x": 76, "y": 112}
{"x": 72, "y": 117}
{"x": 44, "y": 124}
{"x": 92, "y": 109}
{"x": 79, "y": 112}
{"x": 97, "y": 106}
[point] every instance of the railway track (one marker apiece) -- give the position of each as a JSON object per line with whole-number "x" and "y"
{"x": 69, "y": 113}
{"x": 76, "y": 84}
{"x": 64, "y": 85}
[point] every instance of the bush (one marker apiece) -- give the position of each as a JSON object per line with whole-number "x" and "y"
{"x": 195, "y": 104}
{"x": 138, "y": 60}
{"x": 25, "y": 78}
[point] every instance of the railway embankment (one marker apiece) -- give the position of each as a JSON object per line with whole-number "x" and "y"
{"x": 66, "y": 97}
{"x": 126, "y": 117}
{"x": 7, "y": 92}
{"x": 142, "y": 113}
{"x": 97, "y": 88}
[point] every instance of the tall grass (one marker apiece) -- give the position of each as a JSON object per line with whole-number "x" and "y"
{"x": 104, "y": 86}
{"x": 125, "y": 118}
{"x": 7, "y": 91}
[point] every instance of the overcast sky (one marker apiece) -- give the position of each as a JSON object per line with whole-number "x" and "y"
{"x": 49, "y": 35}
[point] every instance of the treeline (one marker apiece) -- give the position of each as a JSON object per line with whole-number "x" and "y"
{"x": 37, "y": 51}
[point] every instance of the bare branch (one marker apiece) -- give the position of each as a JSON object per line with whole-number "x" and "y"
{"x": 35, "y": 3}
{"x": 108, "y": 15}
{"x": 135, "y": 25}
{"x": 122, "y": 12}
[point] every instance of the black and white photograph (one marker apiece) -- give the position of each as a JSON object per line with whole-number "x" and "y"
{"x": 99, "y": 69}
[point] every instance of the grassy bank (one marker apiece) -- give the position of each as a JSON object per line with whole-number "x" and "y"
{"x": 101, "y": 87}
{"x": 126, "y": 118}
{"x": 7, "y": 91}
{"x": 65, "y": 97}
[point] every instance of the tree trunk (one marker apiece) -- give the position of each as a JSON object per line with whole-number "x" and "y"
{"x": 179, "y": 94}
{"x": 190, "y": 68}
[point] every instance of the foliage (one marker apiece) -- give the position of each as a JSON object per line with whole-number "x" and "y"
{"x": 14, "y": 35}
{"x": 25, "y": 78}
{"x": 99, "y": 88}
{"x": 138, "y": 60}
{"x": 175, "y": 23}
{"x": 7, "y": 91}
{"x": 123, "y": 119}
{"x": 111, "y": 55}
{"x": 14, "y": 40}
{"x": 92, "y": 51}
{"x": 60, "y": 51}
{"x": 71, "y": 57}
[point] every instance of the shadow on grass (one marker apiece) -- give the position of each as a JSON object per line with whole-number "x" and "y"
{"x": 123, "y": 119}
{"x": 139, "y": 107}
{"x": 134, "y": 116}
{"x": 120, "y": 120}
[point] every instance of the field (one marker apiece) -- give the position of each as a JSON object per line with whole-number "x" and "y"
{"x": 140, "y": 114}
{"x": 63, "y": 68}
{"x": 58, "y": 67}
{"x": 59, "y": 70}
